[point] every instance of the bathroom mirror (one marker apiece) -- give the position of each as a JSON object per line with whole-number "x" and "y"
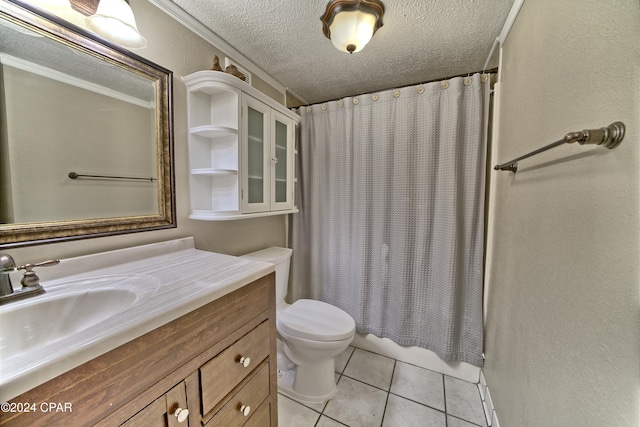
{"x": 86, "y": 134}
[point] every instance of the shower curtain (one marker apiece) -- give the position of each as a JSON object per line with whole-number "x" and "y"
{"x": 391, "y": 196}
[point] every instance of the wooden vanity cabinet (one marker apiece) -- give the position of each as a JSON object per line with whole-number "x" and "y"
{"x": 217, "y": 362}
{"x": 166, "y": 411}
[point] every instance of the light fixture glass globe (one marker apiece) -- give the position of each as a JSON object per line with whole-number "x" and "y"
{"x": 352, "y": 30}
{"x": 115, "y": 22}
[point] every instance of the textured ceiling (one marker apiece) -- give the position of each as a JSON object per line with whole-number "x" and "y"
{"x": 421, "y": 40}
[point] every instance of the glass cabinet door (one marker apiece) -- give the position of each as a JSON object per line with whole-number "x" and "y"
{"x": 282, "y": 161}
{"x": 255, "y": 156}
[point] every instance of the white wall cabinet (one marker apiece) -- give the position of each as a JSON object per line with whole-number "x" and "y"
{"x": 241, "y": 149}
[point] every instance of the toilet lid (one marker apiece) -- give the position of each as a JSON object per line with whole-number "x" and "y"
{"x": 316, "y": 320}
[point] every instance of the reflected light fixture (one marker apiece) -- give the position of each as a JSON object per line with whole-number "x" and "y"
{"x": 350, "y": 24}
{"x": 114, "y": 21}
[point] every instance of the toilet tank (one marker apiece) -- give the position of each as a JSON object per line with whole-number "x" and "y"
{"x": 281, "y": 257}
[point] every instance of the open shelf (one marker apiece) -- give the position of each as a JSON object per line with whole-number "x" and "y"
{"x": 213, "y": 131}
{"x": 210, "y": 171}
{"x": 205, "y": 215}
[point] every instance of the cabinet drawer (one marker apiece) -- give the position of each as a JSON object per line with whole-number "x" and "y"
{"x": 248, "y": 398}
{"x": 261, "y": 418}
{"x": 162, "y": 412}
{"x": 224, "y": 372}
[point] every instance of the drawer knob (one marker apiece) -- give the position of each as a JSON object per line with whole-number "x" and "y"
{"x": 181, "y": 414}
{"x": 245, "y": 409}
{"x": 245, "y": 361}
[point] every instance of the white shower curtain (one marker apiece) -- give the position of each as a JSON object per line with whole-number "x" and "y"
{"x": 391, "y": 197}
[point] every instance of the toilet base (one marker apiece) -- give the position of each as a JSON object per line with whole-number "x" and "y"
{"x": 286, "y": 381}
{"x": 311, "y": 387}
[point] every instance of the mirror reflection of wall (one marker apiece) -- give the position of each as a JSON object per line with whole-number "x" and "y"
{"x": 64, "y": 111}
{"x": 54, "y": 128}
{"x": 73, "y": 103}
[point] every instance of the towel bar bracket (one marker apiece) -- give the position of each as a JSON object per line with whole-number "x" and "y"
{"x": 609, "y": 137}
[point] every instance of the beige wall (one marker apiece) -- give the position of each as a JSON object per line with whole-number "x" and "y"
{"x": 292, "y": 101}
{"x": 562, "y": 330}
{"x": 48, "y": 148}
{"x": 174, "y": 47}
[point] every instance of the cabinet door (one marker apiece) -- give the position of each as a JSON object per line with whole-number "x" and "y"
{"x": 166, "y": 411}
{"x": 281, "y": 161}
{"x": 256, "y": 168}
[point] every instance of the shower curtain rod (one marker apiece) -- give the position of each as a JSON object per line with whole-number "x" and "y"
{"x": 491, "y": 71}
{"x": 610, "y": 137}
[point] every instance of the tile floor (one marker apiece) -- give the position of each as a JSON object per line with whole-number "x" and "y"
{"x": 376, "y": 391}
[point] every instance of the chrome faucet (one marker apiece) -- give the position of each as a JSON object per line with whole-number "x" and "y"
{"x": 7, "y": 265}
{"x": 30, "y": 282}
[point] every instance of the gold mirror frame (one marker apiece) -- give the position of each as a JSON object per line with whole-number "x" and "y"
{"x": 24, "y": 234}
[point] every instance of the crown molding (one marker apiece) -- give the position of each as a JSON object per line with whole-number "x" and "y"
{"x": 499, "y": 41}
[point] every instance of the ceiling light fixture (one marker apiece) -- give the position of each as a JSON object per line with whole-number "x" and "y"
{"x": 350, "y": 24}
{"x": 115, "y": 22}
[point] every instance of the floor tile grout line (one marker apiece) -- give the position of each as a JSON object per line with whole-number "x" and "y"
{"x": 447, "y": 414}
{"x": 327, "y": 416}
{"x": 421, "y": 367}
{"x": 419, "y": 403}
{"x": 444, "y": 397}
{"x": 303, "y": 405}
{"x": 317, "y": 421}
{"x": 332, "y": 419}
{"x": 362, "y": 382}
{"x": 348, "y": 360}
{"x": 372, "y": 352}
{"x": 395, "y": 394}
{"x": 393, "y": 372}
{"x": 462, "y": 419}
{"x": 386, "y": 402}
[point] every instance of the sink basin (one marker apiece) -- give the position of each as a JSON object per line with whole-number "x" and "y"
{"x": 48, "y": 320}
{"x": 68, "y": 308}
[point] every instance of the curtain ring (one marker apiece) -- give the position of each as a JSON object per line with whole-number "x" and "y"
{"x": 324, "y": 107}
{"x": 375, "y": 97}
{"x": 444, "y": 85}
{"x": 420, "y": 89}
{"x": 308, "y": 109}
{"x": 340, "y": 103}
{"x": 396, "y": 94}
{"x": 355, "y": 101}
{"x": 467, "y": 81}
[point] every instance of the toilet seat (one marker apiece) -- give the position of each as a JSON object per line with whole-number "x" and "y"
{"x": 316, "y": 320}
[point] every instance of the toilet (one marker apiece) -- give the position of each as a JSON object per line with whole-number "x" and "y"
{"x": 310, "y": 334}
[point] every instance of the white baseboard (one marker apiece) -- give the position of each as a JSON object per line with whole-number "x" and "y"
{"x": 487, "y": 403}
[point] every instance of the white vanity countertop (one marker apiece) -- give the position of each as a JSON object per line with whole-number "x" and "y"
{"x": 175, "y": 278}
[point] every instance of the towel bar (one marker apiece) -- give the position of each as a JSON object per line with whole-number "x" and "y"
{"x": 610, "y": 137}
